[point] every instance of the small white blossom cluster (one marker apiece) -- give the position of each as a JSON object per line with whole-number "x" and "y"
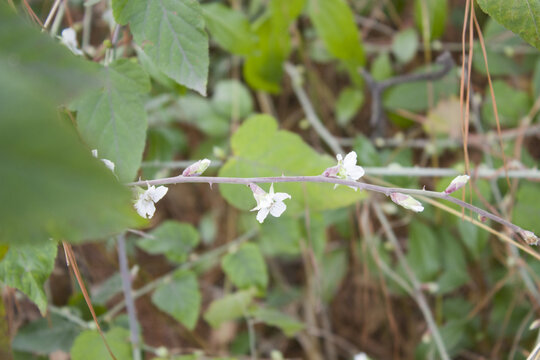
{"x": 345, "y": 169}
{"x": 69, "y": 39}
{"x": 145, "y": 203}
{"x": 268, "y": 203}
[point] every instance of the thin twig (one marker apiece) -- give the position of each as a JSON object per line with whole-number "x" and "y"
{"x": 311, "y": 115}
{"x": 418, "y": 295}
{"x": 475, "y": 140}
{"x": 51, "y": 14}
{"x": 322, "y": 179}
{"x": 128, "y": 296}
{"x": 73, "y": 264}
{"x": 479, "y": 173}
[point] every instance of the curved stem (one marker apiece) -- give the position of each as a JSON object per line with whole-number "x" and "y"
{"x": 322, "y": 179}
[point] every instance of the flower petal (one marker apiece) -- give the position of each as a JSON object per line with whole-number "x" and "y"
{"x": 262, "y": 214}
{"x": 355, "y": 172}
{"x": 350, "y": 160}
{"x": 281, "y": 196}
{"x": 278, "y": 208}
{"x": 157, "y": 193}
{"x": 145, "y": 208}
{"x": 108, "y": 163}
{"x": 272, "y": 189}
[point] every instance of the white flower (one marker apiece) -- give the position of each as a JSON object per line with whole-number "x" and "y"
{"x": 268, "y": 202}
{"x": 529, "y": 237}
{"x": 196, "y": 169}
{"x": 361, "y": 356}
{"x": 407, "y": 201}
{"x": 69, "y": 39}
{"x": 345, "y": 169}
{"x": 457, "y": 183}
{"x": 108, "y": 163}
{"x": 145, "y": 203}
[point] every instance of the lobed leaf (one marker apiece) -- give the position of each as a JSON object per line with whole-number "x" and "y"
{"x": 171, "y": 33}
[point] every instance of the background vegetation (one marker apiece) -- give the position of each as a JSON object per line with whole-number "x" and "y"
{"x": 162, "y": 83}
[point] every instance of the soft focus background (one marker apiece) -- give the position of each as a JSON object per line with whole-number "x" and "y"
{"x": 340, "y": 274}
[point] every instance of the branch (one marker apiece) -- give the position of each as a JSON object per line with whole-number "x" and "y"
{"x": 417, "y": 293}
{"x": 128, "y": 296}
{"x": 377, "y": 88}
{"x": 311, "y": 115}
{"x": 322, "y": 179}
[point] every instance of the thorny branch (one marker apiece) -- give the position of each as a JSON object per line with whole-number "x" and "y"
{"x": 323, "y": 179}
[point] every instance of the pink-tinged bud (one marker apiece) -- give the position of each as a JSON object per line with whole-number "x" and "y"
{"x": 529, "y": 237}
{"x": 482, "y": 218}
{"x": 407, "y": 201}
{"x": 331, "y": 171}
{"x": 196, "y": 169}
{"x": 257, "y": 190}
{"x": 457, "y": 183}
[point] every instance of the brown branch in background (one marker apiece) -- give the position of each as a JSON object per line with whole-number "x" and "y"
{"x": 70, "y": 256}
{"x": 31, "y": 13}
{"x": 377, "y": 88}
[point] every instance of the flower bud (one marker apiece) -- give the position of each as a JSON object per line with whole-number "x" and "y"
{"x": 457, "y": 183}
{"x": 407, "y": 201}
{"x": 331, "y": 171}
{"x": 529, "y": 237}
{"x": 196, "y": 169}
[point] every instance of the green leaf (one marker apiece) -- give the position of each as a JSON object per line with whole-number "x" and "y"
{"x": 180, "y": 298}
{"x": 246, "y": 267}
{"x": 367, "y": 154}
{"x": 502, "y": 58}
{"x": 289, "y": 325}
{"x": 89, "y": 345}
{"x": 350, "y": 100}
{"x": 232, "y": 99}
{"x": 107, "y": 289}
{"x": 512, "y": 104}
{"x": 474, "y": 238}
{"x": 230, "y": 28}
{"x": 162, "y": 144}
{"x": 536, "y": 80}
{"x": 27, "y": 267}
{"x": 381, "y": 69}
{"x": 334, "y": 268}
{"x": 263, "y": 69}
{"x": 46, "y": 335}
{"x": 454, "y": 265}
{"x": 334, "y": 22}
{"x": 51, "y": 185}
{"x": 280, "y": 236}
{"x": 423, "y": 255}
{"x": 171, "y": 33}
{"x": 113, "y": 119}
{"x": 260, "y": 149}
{"x": 405, "y": 45}
{"x": 229, "y": 307}
{"x": 200, "y": 112}
{"x": 525, "y": 212}
{"x": 413, "y": 96}
{"x": 433, "y": 14}
{"x": 520, "y": 16}
{"x": 173, "y": 239}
